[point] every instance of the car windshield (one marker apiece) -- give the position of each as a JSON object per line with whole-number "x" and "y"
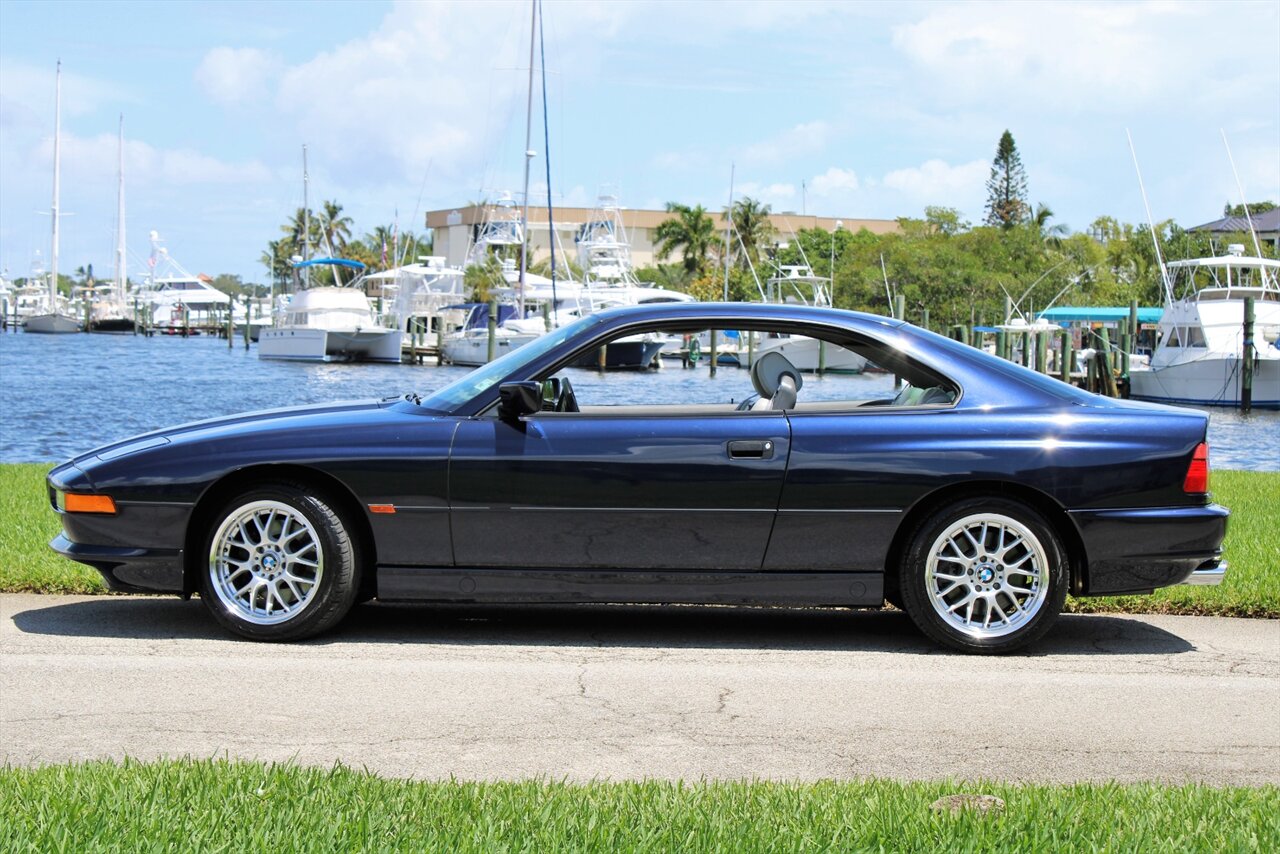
{"x": 460, "y": 391}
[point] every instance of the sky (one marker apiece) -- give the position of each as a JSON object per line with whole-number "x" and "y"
{"x": 853, "y": 110}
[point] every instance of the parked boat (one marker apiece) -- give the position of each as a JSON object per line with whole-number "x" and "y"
{"x": 469, "y": 346}
{"x": 53, "y": 316}
{"x": 1198, "y": 359}
{"x": 799, "y": 284}
{"x": 107, "y": 314}
{"x": 609, "y": 280}
{"x": 330, "y": 324}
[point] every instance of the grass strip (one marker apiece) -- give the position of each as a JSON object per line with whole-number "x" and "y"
{"x": 1251, "y": 589}
{"x": 204, "y": 805}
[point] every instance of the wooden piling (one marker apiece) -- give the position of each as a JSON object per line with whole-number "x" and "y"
{"x": 822, "y": 357}
{"x": 1042, "y": 352}
{"x": 1246, "y": 357}
{"x": 1026, "y": 349}
{"x": 900, "y": 307}
{"x": 1066, "y": 358}
{"x": 924, "y": 318}
{"x": 1002, "y": 344}
{"x": 714, "y": 355}
{"x": 231, "y": 319}
{"x": 751, "y": 349}
{"x": 493, "y": 329}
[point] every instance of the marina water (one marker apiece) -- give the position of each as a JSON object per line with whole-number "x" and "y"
{"x": 65, "y": 394}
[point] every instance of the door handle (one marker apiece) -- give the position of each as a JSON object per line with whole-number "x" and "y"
{"x": 751, "y": 449}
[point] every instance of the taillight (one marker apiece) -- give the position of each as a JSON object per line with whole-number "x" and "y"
{"x": 1197, "y": 480}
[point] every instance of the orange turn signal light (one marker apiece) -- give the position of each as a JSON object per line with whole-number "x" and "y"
{"x": 382, "y": 508}
{"x": 76, "y": 503}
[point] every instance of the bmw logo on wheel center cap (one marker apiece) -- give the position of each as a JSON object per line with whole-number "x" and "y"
{"x": 986, "y": 574}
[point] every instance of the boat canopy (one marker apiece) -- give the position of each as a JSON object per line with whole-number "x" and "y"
{"x": 1228, "y": 261}
{"x": 1098, "y": 314}
{"x": 326, "y": 262}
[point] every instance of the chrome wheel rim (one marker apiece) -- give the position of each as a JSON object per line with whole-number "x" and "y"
{"x": 265, "y": 562}
{"x": 986, "y": 575}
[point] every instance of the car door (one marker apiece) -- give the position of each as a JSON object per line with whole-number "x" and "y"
{"x": 633, "y": 491}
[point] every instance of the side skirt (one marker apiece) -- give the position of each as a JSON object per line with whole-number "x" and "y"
{"x": 398, "y": 583}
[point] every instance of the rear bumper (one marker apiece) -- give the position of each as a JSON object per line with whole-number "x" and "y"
{"x": 128, "y": 570}
{"x": 1211, "y": 575}
{"x": 1138, "y": 550}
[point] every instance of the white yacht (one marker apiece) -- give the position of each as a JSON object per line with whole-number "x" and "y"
{"x": 609, "y": 280}
{"x": 1198, "y": 358}
{"x": 469, "y": 345}
{"x": 330, "y": 324}
{"x": 798, "y": 283}
{"x": 174, "y": 297}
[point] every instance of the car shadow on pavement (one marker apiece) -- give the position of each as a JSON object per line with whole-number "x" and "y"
{"x": 639, "y": 626}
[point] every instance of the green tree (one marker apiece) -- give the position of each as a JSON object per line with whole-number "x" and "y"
{"x": 1007, "y": 186}
{"x": 754, "y": 229}
{"x": 945, "y": 221}
{"x": 693, "y": 232}
{"x": 1255, "y": 208}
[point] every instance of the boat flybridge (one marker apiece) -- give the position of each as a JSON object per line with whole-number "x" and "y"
{"x": 797, "y": 283}
{"x": 1198, "y": 359}
{"x": 330, "y": 323}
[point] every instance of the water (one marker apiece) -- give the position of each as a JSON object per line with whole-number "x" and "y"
{"x": 64, "y": 394}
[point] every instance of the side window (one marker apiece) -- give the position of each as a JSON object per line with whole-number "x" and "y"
{"x": 1194, "y": 336}
{"x": 735, "y": 371}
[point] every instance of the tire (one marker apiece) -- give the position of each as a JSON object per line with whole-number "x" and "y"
{"x": 281, "y": 564}
{"x": 984, "y": 575}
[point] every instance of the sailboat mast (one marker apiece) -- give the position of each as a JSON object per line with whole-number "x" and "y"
{"x": 528, "y": 158}
{"x": 306, "y": 219}
{"x": 57, "y": 138}
{"x": 121, "y": 275}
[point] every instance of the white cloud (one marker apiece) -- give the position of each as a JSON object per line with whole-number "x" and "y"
{"x": 806, "y": 138}
{"x": 1032, "y": 56}
{"x": 835, "y": 181}
{"x": 938, "y": 180}
{"x": 234, "y": 75}
{"x": 93, "y": 160}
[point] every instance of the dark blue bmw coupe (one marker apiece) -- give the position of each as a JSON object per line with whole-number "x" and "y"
{"x": 974, "y": 493}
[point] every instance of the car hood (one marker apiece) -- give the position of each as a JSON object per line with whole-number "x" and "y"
{"x": 268, "y": 418}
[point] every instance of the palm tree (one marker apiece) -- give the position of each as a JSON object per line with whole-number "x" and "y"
{"x": 334, "y": 227}
{"x": 276, "y": 259}
{"x": 693, "y": 232}
{"x": 754, "y": 227}
{"x": 1051, "y": 234}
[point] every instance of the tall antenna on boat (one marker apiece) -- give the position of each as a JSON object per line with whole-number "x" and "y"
{"x": 888, "y": 293}
{"x": 306, "y": 219}
{"x": 57, "y": 163}
{"x": 1164, "y": 273}
{"x": 1257, "y": 248}
{"x": 728, "y": 226}
{"x": 546, "y": 145}
{"x": 121, "y": 275}
{"x": 528, "y": 158}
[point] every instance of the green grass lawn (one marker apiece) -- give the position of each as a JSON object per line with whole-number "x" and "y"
{"x": 233, "y": 806}
{"x": 1252, "y": 587}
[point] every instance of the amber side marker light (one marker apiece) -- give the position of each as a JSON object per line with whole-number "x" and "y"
{"x": 382, "y": 508}
{"x": 1197, "y": 479}
{"x": 75, "y": 503}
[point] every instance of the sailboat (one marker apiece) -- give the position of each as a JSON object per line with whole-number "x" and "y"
{"x": 52, "y": 317}
{"x": 108, "y": 314}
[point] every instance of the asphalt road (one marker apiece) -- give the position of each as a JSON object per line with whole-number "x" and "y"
{"x": 633, "y": 692}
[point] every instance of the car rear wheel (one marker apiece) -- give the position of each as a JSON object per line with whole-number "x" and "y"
{"x": 281, "y": 564}
{"x": 984, "y": 575}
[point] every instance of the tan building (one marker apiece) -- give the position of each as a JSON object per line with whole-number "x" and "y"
{"x": 454, "y": 230}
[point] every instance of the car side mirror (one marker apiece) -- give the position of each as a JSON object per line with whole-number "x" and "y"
{"x": 519, "y": 399}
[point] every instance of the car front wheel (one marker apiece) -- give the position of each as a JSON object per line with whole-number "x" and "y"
{"x": 281, "y": 565}
{"x": 984, "y": 575}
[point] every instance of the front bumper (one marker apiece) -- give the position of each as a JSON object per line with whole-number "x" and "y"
{"x": 128, "y": 570}
{"x": 1136, "y": 550}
